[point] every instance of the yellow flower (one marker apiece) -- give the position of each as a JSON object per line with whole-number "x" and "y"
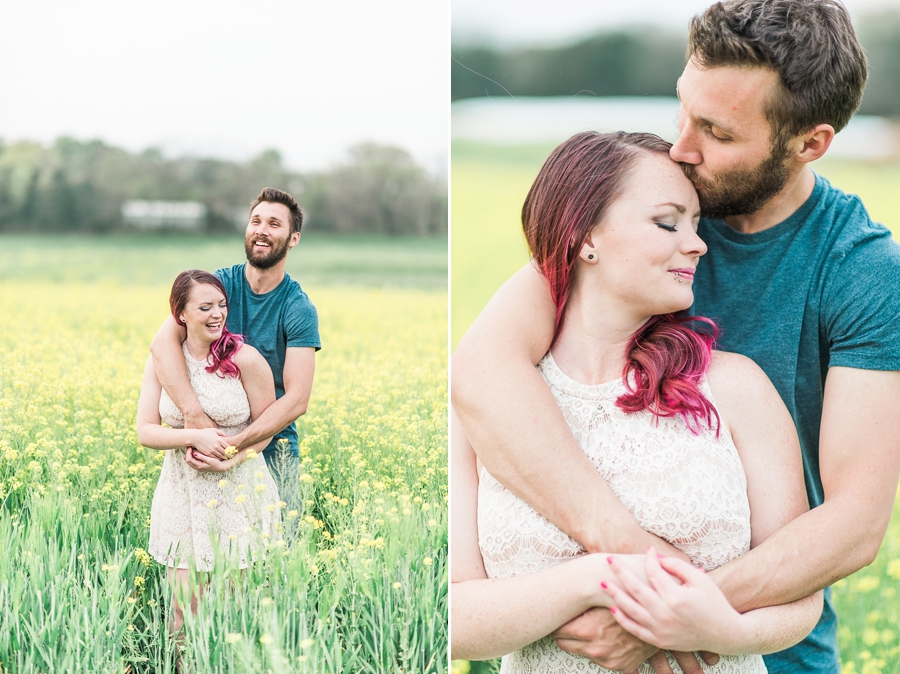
{"x": 306, "y": 477}
{"x": 265, "y": 639}
{"x": 260, "y": 487}
{"x": 212, "y": 504}
{"x": 427, "y": 561}
{"x": 223, "y": 484}
{"x": 397, "y": 586}
{"x": 252, "y": 454}
{"x": 271, "y": 507}
{"x": 306, "y": 643}
{"x": 232, "y": 637}
{"x": 231, "y": 451}
{"x": 240, "y": 498}
{"x": 292, "y": 514}
{"x": 265, "y": 601}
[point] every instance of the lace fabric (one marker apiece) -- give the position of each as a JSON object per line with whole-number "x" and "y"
{"x": 191, "y": 515}
{"x": 687, "y": 489}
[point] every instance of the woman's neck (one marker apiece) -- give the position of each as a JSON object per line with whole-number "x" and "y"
{"x": 591, "y": 346}
{"x": 197, "y": 346}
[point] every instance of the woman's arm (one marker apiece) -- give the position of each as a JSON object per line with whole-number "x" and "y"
{"x": 151, "y": 432}
{"x": 259, "y": 385}
{"x": 689, "y": 612}
{"x": 493, "y": 617}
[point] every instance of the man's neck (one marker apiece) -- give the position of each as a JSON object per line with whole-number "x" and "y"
{"x": 780, "y": 207}
{"x": 263, "y": 281}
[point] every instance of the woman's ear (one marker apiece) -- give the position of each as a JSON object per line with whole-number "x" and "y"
{"x": 589, "y": 251}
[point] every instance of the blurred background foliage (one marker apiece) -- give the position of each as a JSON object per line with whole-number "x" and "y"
{"x": 78, "y": 186}
{"x": 642, "y": 61}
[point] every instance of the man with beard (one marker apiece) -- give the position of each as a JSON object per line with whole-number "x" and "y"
{"x": 798, "y": 278}
{"x": 274, "y": 315}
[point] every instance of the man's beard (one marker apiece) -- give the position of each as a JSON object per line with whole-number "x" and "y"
{"x": 276, "y": 253}
{"x": 741, "y": 191}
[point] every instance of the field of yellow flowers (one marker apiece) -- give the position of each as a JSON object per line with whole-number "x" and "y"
{"x": 360, "y": 584}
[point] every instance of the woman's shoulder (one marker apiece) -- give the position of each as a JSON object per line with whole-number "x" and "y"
{"x": 733, "y": 372}
{"x": 248, "y": 357}
{"x": 736, "y": 382}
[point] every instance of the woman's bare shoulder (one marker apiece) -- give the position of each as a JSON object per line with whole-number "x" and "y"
{"x": 740, "y": 387}
{"x": 248, "y": 357}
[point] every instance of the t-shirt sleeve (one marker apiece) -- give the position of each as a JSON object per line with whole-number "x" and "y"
{"x": 302, "y": 323}
{"x": 862, "y": 307}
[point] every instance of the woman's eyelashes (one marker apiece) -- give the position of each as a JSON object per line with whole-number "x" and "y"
{"x": 666, "y": 226}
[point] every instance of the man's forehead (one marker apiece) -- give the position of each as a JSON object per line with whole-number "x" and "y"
{"x": 272, "y": 211}
{"x": 731, "y": 97}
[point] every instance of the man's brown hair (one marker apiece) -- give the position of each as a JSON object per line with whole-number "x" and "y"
{"x": 274, "y": 196}
{"x": 812, "y": 46}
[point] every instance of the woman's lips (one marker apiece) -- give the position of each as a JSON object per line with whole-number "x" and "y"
{"x": 686, "y": 273}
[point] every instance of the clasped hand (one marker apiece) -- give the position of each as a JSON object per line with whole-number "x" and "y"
{"x": 640, "y": 626}
{"x": 679, "y": 608}
{"x": 209, "y": 453}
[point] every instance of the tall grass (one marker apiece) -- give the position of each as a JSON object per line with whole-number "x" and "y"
{"x": 356, "y": 582}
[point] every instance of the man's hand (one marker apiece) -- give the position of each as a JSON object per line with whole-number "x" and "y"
{"x": 207, "y": 464}
{"x": 596, "y": 635}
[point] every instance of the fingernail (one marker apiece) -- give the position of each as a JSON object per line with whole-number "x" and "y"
{"x": 604, "y": 585}
{"x": 661, "y": 556}
{"x": 612, "y": 609}
{"x": 609, "y": 560}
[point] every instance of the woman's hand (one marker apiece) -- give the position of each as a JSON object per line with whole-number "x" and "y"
{"x": 211, "y": 442}
{"x": 207, "y": 464}
{"x": 678, "y": 609}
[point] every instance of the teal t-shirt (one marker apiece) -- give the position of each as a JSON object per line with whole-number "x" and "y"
{"x": 820, "y": 289}
{"x": 272, "y": 323}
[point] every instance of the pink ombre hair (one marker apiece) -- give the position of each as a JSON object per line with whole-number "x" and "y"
{"x": 668, "y": 356}
{"x": 221, "y": 351}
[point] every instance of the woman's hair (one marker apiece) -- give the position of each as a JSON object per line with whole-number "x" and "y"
{"x": 665, "y": 358}
{"x": 221, "y": 351}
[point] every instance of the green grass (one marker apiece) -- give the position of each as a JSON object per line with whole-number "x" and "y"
{"x": 489, "y": 185}
{"x": 142, "y": 259}
{"x": 359, "y": 583}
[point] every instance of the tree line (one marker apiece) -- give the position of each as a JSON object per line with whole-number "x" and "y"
{"x": 642, "y": 62}
{"x": 80, "y": 186}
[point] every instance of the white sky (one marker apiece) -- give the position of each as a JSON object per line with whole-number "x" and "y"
{"x": 506, "y": 22}
{"x": 230, "y": 79}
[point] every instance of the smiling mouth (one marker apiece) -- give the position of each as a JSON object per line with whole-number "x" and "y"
{"x": 683, "y": 274}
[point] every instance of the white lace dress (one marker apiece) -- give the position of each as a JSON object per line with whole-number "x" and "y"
{"x": 688, "y": 489}
{"x": 193, "y": 513}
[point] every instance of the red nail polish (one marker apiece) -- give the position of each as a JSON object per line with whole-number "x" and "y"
{"x": 612, "y": 609}
{"x": 604, "y": 585}
{"x": 609, "y": 560}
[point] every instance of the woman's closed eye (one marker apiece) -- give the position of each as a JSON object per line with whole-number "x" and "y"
{"x": 667, "y": 226}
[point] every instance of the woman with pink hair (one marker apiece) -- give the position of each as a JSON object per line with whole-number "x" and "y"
{"x": 673, "y": 426}
{"x": 209, "y": 499}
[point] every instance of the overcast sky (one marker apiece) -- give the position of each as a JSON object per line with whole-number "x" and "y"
{"x": 229, "y": 79}
{"x": 511, "y": 22}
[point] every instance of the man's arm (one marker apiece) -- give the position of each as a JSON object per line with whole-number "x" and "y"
{"x": 518, "y": 430}
{"x": 171, "y": 370}
{"x": 859, "y": 461}
{"x": 299, "y": 369}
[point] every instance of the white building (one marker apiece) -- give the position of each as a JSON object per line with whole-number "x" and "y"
{"x": 184, "y": 215}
